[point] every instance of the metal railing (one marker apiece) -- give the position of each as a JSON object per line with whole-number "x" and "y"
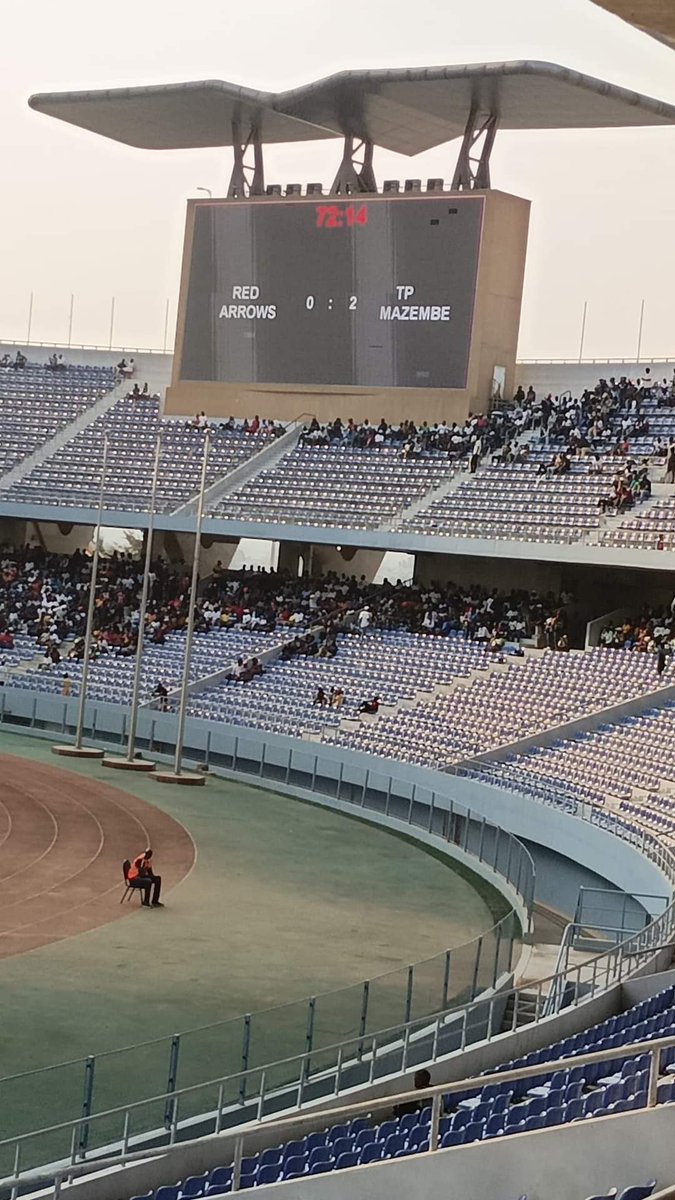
{"x": 241, "y": 1046}
{"x": 224, "y": 1146}
{"x": 388, "y": 1042}
{"x": 257, "y": 1093}
{"x": 601, "y": 362}
{"x": 107, "y": 349}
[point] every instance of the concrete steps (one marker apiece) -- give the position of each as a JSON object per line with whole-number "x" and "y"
{"x": 264, "y": 460}
{"x": 425, "y": 501}
{"x": 65, "y": 435}
{"x": 423, "y": 696}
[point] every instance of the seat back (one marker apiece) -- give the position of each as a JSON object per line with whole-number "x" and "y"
{"x": 125, "y": 869}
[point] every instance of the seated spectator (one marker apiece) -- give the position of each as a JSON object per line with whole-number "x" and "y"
{"x": 161, "y": 695}
{"x": 142, "y": 876}
{"x": 421, "y": 1081}
{"x": 320, "y": 699}
{"x": 370, "y": 706}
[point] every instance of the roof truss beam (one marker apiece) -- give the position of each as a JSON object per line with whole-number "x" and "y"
{"x": 473, "y": 162}
{"x": 355, "y": 173}
{"x": 248, "y": 173}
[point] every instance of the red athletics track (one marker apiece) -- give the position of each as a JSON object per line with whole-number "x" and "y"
{"x": 63, "y": 838}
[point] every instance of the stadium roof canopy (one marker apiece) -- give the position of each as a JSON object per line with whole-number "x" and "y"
{"x": 656, "y": 17}
{"x": 404, "y": 110}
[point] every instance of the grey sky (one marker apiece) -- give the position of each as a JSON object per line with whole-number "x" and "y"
{"x": 83, "y": 215}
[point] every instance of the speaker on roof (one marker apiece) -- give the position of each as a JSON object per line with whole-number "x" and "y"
{"x": 293, "y": 189}
{"x": 315, "y": 189}
{"x": 391, "y": 185}
{"x": 413, "y": 185}
{"x": 273, "y": 189}
{"x": 435, "y": 185}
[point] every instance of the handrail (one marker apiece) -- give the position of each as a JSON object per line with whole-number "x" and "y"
{"x": 339, "y": 1114}
{"x": 390, "y": 1050}
{"x": 600, "y": 362}
{"x": 278, "y": 1008}
{"x": 365, "y": 1050}
{"x": 88, "y": 346}
{"x": 481, "y": 963}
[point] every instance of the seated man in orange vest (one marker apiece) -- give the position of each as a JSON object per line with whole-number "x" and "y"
{"x": 141, "y": 875}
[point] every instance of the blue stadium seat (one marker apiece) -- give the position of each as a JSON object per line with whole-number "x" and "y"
{"x": 320, "y": 1168}
{"x": 638, "y": 1191}
{"x": 195, "y": 1185}
{"x": 372, "y": 1152}
{"x": 271, "y": 1173}
{"x": 220, "y": 1175}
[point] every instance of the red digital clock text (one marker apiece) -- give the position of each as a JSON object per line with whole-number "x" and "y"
{"x": 336, "y": 216}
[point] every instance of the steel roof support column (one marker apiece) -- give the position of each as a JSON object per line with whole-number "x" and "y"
{"x": 356, "y": 172}
{"x": 473, "y": 163}
{"x": 248, "y": 175}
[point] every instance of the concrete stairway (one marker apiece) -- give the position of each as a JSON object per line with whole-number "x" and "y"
{"x": 424, "y": 696}
{"x": 264, "y": 460}
{"x": 65, "y": 435}
{"x": 660, "y": 491}
{"x": 425, "y": 501}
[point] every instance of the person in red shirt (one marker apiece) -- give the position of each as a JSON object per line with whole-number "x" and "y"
{"x": 141, "y": 875}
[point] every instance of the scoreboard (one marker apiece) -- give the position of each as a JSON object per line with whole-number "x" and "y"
{"x": 360, "y": 291}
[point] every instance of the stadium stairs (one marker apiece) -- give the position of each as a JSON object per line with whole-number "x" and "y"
{"x": 65, "y": 435}
{"x": 424, "y": 502}
{"x": 425, "y": 695}
{"x": 205, "y": 682}
{"x": 588, "y": 723}
{"x": 660, "y": 491}
{"x": 264, "y": 460}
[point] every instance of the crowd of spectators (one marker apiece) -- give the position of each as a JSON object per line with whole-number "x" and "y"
{"x": 652, "y": 629}
{"x": 600, "y": 421}
{"x": 262, "y": 428}
{"x": 630, "y": 484}
{"x": 490, "y": 431}
{"x": 479, "y": 614}
{"x": 46, "y": 596}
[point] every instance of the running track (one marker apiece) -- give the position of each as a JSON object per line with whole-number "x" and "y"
{"x": 63, "y": 838}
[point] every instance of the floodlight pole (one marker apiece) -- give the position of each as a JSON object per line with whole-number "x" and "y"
{"x": 583, "y": 331}
{"x": 640, "y": 328}
{"x": 133, "y": 719}
{"x": 180, "y": 736}
{"x": 92, "y": 602}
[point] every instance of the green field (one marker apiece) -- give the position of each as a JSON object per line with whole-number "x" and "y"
{"x": 286, "y": 900}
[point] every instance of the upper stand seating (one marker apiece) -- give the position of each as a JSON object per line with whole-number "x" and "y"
{"x": 36, "y": 403}
{"x": 336, "y": 486}
{"x": 523, "y": 700}
{"x": 71, "y": 477}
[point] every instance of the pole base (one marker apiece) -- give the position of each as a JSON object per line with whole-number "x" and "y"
{"x": 125, "y": 764}
{"x": 189, "y": 780}
{"x": 77, "y": 752}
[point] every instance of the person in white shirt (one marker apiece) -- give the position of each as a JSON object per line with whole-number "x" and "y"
{"x": 364, "y": 619}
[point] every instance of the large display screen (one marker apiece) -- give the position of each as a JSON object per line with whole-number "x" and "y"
{"x": 364, "y": 292}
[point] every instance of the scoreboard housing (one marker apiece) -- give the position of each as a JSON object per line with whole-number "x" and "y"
{"x": 412, "y": 301}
